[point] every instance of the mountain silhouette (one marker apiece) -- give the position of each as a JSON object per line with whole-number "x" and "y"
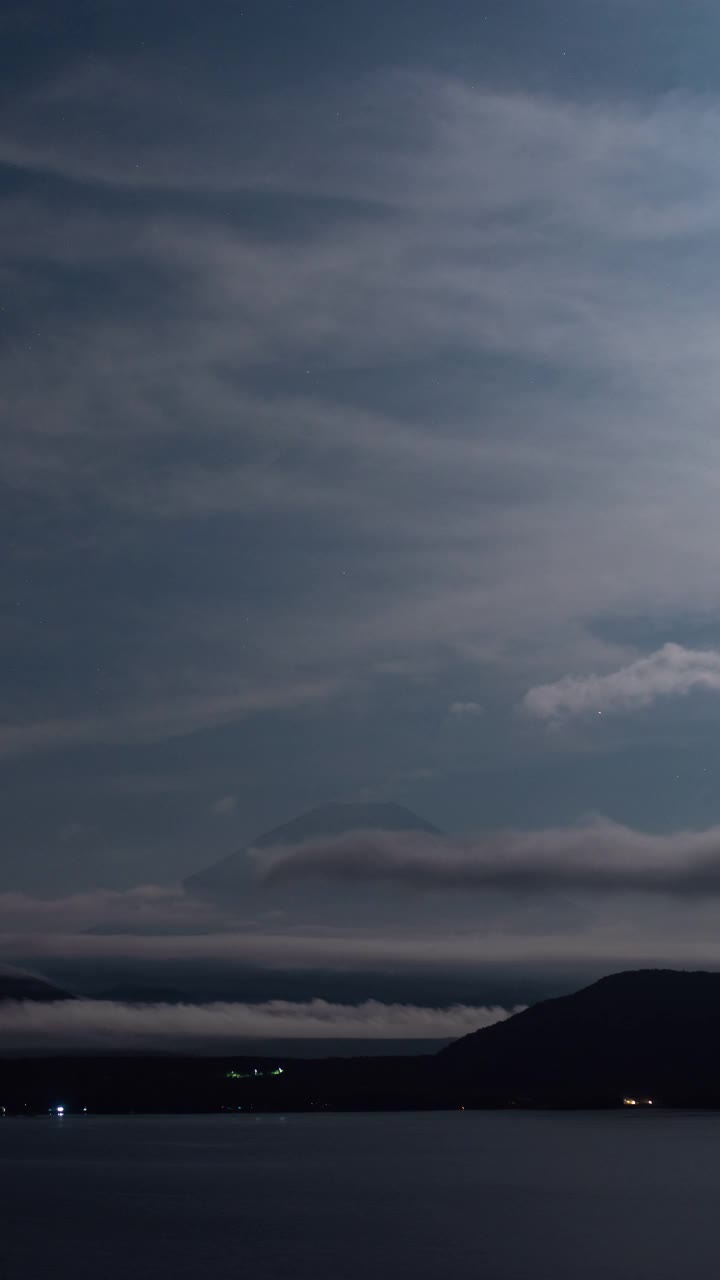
{"x": 19, "y": 984}
{"x": 644, "y": 1033}
{"x": 335, "y": 819}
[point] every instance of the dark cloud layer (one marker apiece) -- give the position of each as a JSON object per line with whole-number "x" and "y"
{"x": 599, "y": 855}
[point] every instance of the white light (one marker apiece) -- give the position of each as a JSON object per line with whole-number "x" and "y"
{"x": 60, "y": 1111}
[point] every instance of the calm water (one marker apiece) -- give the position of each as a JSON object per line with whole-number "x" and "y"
{"x": 504, "y": 1196}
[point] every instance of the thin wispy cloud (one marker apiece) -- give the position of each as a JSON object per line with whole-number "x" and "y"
{"x": 147, "y": 908}
{"x": 465, "y": 710}
{"x": 670, "y": 672}
{"x": 371, "y": 954}
{"x": 307, "y": 429}
{"x": 224, "y": 807}
{"x": 160, "y": 719}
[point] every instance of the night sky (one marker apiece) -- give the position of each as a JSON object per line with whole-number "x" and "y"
{"x": 360, "y": 403}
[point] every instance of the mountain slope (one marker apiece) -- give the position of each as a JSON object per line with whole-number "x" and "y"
{"x": 647, "y": 1033}
{"x": 644, "y": 1034}
{"x": 18, "y": 984}
{"x": 327, "y": 820}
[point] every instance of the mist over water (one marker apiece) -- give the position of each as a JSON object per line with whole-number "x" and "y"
{"x": 487, "y": 1195}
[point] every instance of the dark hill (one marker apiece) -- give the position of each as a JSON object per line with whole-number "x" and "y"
{"x": 18, "y": 984}
{"x": 645, "y": 1034}
{"x": 141, "y": 993}
{"x": 648, "y": 1033}
{"x": 327, "y": 820}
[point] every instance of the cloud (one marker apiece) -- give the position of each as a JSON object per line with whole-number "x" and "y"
{"x": 160, "y": 142}
{"x": 313, "y": 390}
{"x": 598, "y": 855}
{"x": 87, "y": 1024}
{"x": 672, "y": 671}
{"x": 163, "y": 718}
{"x": 145, "y": 908}
{"x": 518, "y": 877}
{"x": 606, "y": 946}
{"x": 465, "y": 710}
{"x": 224, "y": 807}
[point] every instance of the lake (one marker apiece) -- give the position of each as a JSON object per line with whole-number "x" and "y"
{"x": 494, "y": 1195}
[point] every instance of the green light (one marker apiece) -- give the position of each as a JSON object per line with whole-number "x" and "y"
{"x": 253, "y": 1075}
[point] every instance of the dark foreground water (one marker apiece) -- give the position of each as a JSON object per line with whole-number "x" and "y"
{"x": 504, "y": 1196}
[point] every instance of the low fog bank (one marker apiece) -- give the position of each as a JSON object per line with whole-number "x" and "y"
{"x": 76, "y": 1025}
